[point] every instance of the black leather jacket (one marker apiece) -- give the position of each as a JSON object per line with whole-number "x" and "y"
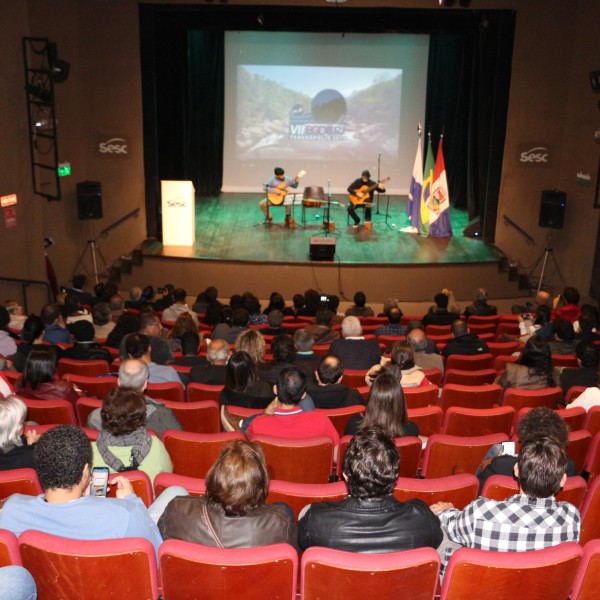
{"x": 370, "y": 526}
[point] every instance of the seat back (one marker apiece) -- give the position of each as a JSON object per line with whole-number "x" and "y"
{"x": 592, "y": 420}
{"x": 470, "y": 396}
{"x": 468, "y": 377}
{"x": 590, "y": 513}
{"x": 478, "y": 421}
{"x": 204, "y": 573}
{"x": 449, "y": 454}
{"x": 518, "y": 398}
{"x": 574, "y": 392}
{"x": 573, "y": 417}
{"x": 470, "y": 363}
{"x": 194, "y": 485}
{"x": 483, "y": 320}
{"x": 501, "y": 361}
{"x": 409, "y": 449}
{"x": 482, "y": 329}
{"x": 564, "y": 360}
{"x": 201, "y": 391}
{"x": 19, "y": 481}
{"x": 434, "y": 376}
{"x": 198, "y": 417}
{"x": 166, "y": 391}
{"x": 84, "y": 406}
{"x": 419, "y": 397}
{"x": 50, "y": 412}
{"x": 587, "y": 580}
{"x": 502, "y": 348}
{"x": 579, "y": 444}
{"x": 428, "y": 419}
{"x": 459, "y": 489}
{"x": 9, "y": 549}
{"x": 90, "y": 569}
{"x": 299, "y": 495}
{"x": 94, "y": 386}
{"x": 340, "y": 416}
{"x": 308, "y": 460}
{"x": 354, "y": 378}
{"x": 142, "y": 486}
{"x": 337, "y": 575}
{"x": 537, "y": 575}
{"x": 438, "y": 329}
{"x": 193, "y": 454}
{"x": 89, "y": 368}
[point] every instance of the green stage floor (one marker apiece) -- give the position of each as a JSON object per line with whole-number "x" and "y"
{"x": 230, "y": 228}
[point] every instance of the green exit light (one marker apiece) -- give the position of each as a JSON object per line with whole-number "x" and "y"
{"x": 64, "y": 169}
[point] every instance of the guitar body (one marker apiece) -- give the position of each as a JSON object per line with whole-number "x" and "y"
{"x": 365, "y": 191}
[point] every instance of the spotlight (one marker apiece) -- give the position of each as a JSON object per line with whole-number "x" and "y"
{"x": 43, "y": 94}
{"x": 59, "y": 69}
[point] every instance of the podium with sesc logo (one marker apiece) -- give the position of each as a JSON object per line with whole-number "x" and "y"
{"x": 178, "y": 206}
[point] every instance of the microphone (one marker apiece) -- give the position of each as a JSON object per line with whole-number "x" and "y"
{"x": 380, "y": 154}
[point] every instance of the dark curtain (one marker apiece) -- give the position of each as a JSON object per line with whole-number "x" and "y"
{"x": 205, "y": 107}
{"x": 468, "y": 85}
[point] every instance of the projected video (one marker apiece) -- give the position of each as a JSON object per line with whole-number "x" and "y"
{"x": 312, "y": 112}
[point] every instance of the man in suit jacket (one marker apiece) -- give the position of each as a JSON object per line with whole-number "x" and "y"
{"x": 356, "y": 352}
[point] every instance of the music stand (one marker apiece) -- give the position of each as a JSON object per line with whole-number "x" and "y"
{"x": 327, "y": 216}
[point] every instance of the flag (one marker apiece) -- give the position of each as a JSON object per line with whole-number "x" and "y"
{"x": 439, "y": 207}
{"x": 426, "y": 193}
{"x": 414, "y": 192}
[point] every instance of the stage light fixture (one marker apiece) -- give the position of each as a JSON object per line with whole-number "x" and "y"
{"x": 43, "y": 94}
{"x": 59, "y": 69}
{"x": 595, "y": 81}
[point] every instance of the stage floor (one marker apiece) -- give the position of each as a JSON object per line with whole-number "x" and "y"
{"x": 230, "y": 228}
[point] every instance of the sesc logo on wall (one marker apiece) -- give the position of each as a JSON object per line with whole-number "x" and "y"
{"x": 534, "y": 155}
{"x": 116, "y": 146}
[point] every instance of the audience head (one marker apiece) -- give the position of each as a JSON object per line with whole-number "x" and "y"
{"x": 179, "y": 295}
{"x": 137, "y": 345}
{"x": 360, "y": 299}
{"x": 387, "y": 406}
{"x": 540, "y": 422}
{"x": 291, "y": 385}
{"x": 190, "y": 342}
{"x": 334, "y": 303}
{"x": 371, "y": 464}
{"x": 123, "y": 411}
{"x": 50, "y": 313}
{"x": 33, "y": 329}
{"x": 184, "y": 323}
{"x": 148, "y": 293}
{"x": 275, "y": 318}
{"x": 459, "y": 327}
{"x": 240, "y": 317}
{"x": 298, "y": 301}
{"x": 133, "y": 374}
{"x": 251, "y": 303}
{"x": 79, "y": 281}
{"x": 537, "y": 357}
{"x": 543, "y": 315}
{"x": 441, "y": 300}
{"x": 276, "y": 301}
{"x": 72, "y": 303}
{"x": 217, "y": 352}
{"x": 312, "y": 301}
{"x": 324, "y": 317}
{"x": 303, "y": 340}
{"x": 541, "y": 467}
{"x": 240, "y": 374}
{"x": 394, "y": 316}
{"x": 588, "y": 318}
{"x": 135, "y": 294}
{"x": 351, "y": 327}
{"x": 402, "y": 355}
{"x": 82, "y": 331}
{"x": 12, "y": 416}
{"x": 588, "y": 354}
{"x": 99, "y": 291}
{"x": 116, "y": 302}
{"x": 418, "y": 340}
{"x": 60, "y": 457}
{"x": 238, "y": 480}
{"x": 101, "y": 313}
{"x": 14, "y": 308}
{"x": 283, "y": 349}
{"x": 414, "y": 324}
{"x": 571, "y": 295}
{"x": 563, "y": 330}
{"x": 252, "y": 342}
{"x": 149, "y": 322}
{"x": 542, "y": 297}
{"x": 40, "y": 367}
{"x": 389, "y": 303}
{"x": 481, "y": 297}
{"x": 330, "y": 370}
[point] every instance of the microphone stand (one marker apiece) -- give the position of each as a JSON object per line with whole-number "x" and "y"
{"x": 378, "y": 179}
{"x": 326, "y": 222}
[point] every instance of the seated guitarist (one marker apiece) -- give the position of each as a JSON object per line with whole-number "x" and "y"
{"x": 276, "y": 189}
{"x": 362, "y": 189}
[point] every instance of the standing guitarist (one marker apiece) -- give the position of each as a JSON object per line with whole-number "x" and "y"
{"x": 361, "y": 191}
{"x": 276, "y": 189}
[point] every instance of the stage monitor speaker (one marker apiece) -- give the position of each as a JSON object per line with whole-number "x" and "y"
{"x": 89, "y": 200}
{"x": 322, "y": 248}
{"x": 552, "y": 209}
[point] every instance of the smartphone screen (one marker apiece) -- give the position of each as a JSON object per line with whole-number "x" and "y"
{"x": 99, "y": 483}
{"x": 508, "y": 448}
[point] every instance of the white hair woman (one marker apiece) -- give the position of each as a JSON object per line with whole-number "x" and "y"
{"x": 16, "y": 449}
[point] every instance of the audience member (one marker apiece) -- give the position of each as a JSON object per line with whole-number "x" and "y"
{"x": 117, "y": 306}
{"x": 439, "y": 314}
{"x": 276, "y": 303}
{"x": 133, "y": 375}
{"x": 463, "y": 342}
{"x": 39, "y": 381}
{"x": 529, "y": 520}
{"x": 567, "y": 306}
{"x": 393, "y": 326}
{"x": 387, "y": 304}
{"x": 123, "y": 443}
{"x": 275, "y": 322}
{"x": 139, "y": 346}
{"x": 413, "y": 325}
{"x": 215, "y": 372}
{"x": 537, "y": 324}
{"x": 288, "y": 419}
{"x": 370, "y": 519}
{"x": 297, "y": 306}
{"x": 417, "y": 338}
{"x": 167, "y": 298}
{"x": 135, "y": 298}
{"x": 85, "y": 348}
{"x": 328, "y": 391}
{"x": 229, "y": 333}
{"x": 480, "y": 306}
{"x": 73, "y": 310}
{"x": 542, "y": 298}
{"x": 17, "y": 583}
{"x": 386, "y": 408}
{"x": 16, "y": 313}
{"x": 312, "y": 303}
{"x": 103, "y": 323}
{"x": 233, "y": 513}
{"x": 586, "y": 373}
{"x": 252, "y": 342}
{"x": 252, "y": 305}
{"x": 359, "y": 309}
{"x": 586, "y": 327}
{"x": 190, "y": 344}
{"x": 284, "y": 355}
{"x": 32, "y": 335}
{"x": 321, "y": 330}
{"x": 16, "y": 448}
{"x": 63, "y": 462}
{"x": 306, "y": 359}
{"x": 402, "y": 357}
{"x": 78, "y": 288}
{"x": 126, "y": 324}
{"x": 149, "y": 325}
{"x": 178, "y": 307}
{"x": 357, "y": 352}
{"x": 564, "y": 341}
{"x": 205, "y": 299}
{"x": 184, "y": 323}
{"x": 533, "y": 369}
{"x": 56, "y": 330}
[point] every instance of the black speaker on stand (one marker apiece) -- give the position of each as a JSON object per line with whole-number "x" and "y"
{"x": 89, "y": 200}
{"x": 552, "y": 209}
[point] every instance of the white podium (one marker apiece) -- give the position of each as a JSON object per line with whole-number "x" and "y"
{"x": 178, "y": 213}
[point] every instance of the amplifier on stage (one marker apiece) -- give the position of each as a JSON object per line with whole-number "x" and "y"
{"x": 322, "y": 248}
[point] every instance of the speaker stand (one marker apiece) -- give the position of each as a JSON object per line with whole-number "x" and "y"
{"x": 92, "y": 245}
{"x": 547, "y": 256}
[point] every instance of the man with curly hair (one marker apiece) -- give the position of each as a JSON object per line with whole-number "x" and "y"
{"x": 63, "y": 462}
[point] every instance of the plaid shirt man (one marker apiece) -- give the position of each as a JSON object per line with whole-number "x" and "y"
{"x": 390, "y": 329}
{"x": 517, "y": 524}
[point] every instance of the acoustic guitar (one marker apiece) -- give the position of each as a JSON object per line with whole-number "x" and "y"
{"x": 280, "y": 191}
{"x": 365, "y": 192}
